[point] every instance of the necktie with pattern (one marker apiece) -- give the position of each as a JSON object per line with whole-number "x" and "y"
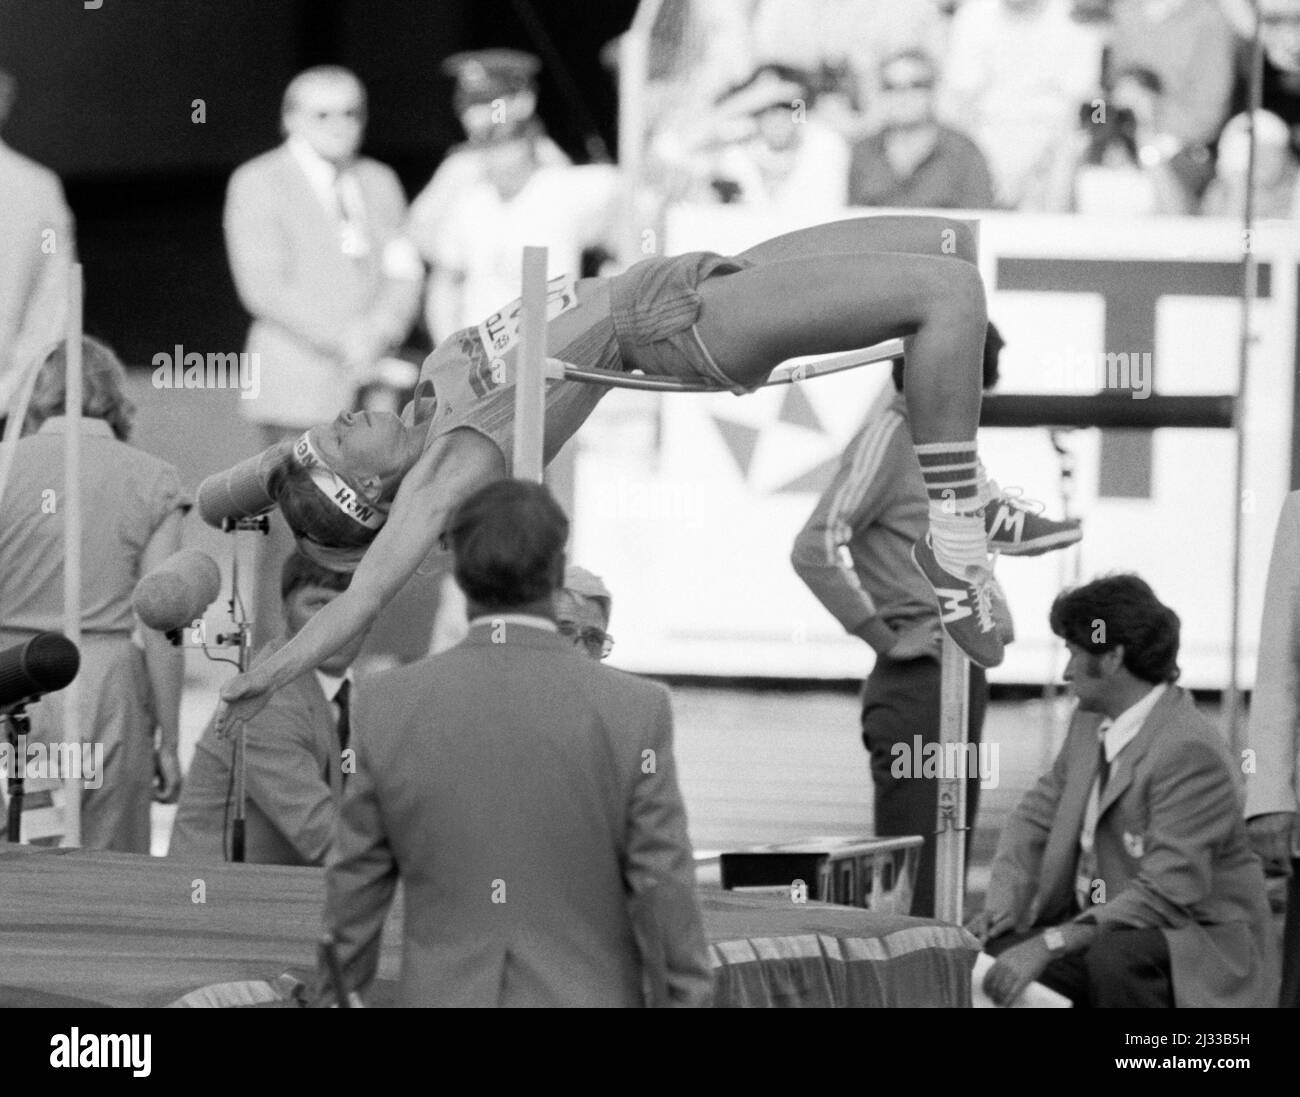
{"x": 352, "y": 231}
{"x": 1103, "y": 766}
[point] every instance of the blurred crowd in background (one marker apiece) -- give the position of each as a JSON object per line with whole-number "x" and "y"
{"x": 806, "y": 107}
{"x": 798, "y": 108}
{"x": 1124, "y": 107}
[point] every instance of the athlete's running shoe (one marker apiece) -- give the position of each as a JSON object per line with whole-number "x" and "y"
{"x": 1017, "y": 527}
{"x": 966, "y": 606}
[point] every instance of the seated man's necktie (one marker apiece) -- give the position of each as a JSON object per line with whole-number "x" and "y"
{"x": 1103, "y": 766}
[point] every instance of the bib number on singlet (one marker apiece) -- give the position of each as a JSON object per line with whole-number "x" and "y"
{"x": 499, "y": 333}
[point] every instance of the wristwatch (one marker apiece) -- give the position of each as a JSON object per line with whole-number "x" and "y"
{"x": 1054, "y": 939}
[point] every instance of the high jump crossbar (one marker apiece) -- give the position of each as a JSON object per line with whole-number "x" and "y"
{"x": 787, "y": 374}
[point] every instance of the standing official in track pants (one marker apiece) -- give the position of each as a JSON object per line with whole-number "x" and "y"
{"x": 854, "y": 553}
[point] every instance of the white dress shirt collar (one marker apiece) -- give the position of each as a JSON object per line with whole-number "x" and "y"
{"x": 58, "y": 424}
{"x": 527, "y": 619}
{"x": 339, "y": 192}
{"x": 1116, "y": 735}
{"x": 1128, "y": 723}
{"x": 330, "y": 683}
{"x": 320, "y": 173}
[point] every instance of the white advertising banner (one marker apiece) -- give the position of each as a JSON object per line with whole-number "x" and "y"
{"x": 688, "y": 505}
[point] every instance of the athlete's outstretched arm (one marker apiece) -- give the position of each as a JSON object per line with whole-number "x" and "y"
{"x": 452, "y": 468}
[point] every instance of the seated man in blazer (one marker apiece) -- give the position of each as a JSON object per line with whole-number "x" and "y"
{"x": 296, "y": 763}
{"x": 1125, "y": 876}
{"x": 525, "y": 795}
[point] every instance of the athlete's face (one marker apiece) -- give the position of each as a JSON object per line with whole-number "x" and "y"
{"x": 365, "y": 446}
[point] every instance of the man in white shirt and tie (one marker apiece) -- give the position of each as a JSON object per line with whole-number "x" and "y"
{"x": 37, "y": 246}
{"x": 314, "y": 236}
{"x": 298, "y": 752}
{"x": 1125, "y": 878}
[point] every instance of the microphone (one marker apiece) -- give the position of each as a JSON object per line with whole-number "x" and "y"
{"x": 178, "y": 591}
{"x": 241, "y": 492}
{"x": 45, "y": 663}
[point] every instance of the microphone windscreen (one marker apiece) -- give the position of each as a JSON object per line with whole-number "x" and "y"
{"x": 43, "y": 664}
{"x": 178, "y": 591}
{"x": 241, "y": 492}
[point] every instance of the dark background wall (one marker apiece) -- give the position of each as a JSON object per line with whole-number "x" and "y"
{"x": 105, "y": 98}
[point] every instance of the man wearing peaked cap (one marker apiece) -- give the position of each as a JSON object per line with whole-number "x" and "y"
{"x": 485, "y": 76}
{"x": 494, "y": 87}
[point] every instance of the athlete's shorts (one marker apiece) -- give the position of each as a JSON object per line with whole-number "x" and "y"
{"x": 655, "y": 305}
{"x": 643, "y": 319}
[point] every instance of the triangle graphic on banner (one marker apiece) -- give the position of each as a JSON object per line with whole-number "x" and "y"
{"x": 741, "y": 440}
{"x": 797, "y": 410}
{"x": 811, "y": 482}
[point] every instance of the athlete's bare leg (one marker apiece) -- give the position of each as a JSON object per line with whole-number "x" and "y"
{"x": 940, "y": 236}
{"x": 755, "y": 319}
{"x": 848, "y": 285}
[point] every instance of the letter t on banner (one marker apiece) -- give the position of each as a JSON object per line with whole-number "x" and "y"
{"x": 530, "y": 382}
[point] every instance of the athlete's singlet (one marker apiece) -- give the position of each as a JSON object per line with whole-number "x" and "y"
{"x": 466, "y": 381}
{"x": 643, "y": 319}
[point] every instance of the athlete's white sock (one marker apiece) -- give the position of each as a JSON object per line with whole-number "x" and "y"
{"x": 952, "y": 481}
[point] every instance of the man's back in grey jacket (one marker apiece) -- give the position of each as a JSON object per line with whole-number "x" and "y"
{"x": 528, "y": 799}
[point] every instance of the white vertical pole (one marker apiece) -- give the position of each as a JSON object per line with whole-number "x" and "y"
{"x": 1249, "y": 291}
{"x": 633, "y": 76}
{"x": 950, "y": 841}
{"x": 72, "y": 550}
{"x": 530, "y": 383}
{"x": 950, "y": 844}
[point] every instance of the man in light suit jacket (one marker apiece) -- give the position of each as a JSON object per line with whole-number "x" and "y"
{"x": 1273, "y": 775}
{"x": 527, "y": 798}
{"x": 36, "y": 247}
{"x": 313, "y": 233}
{"x": 297, "y": 752}
{"x": 1125, "y": 877}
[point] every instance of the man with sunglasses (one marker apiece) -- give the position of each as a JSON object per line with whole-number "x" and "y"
{"x": 495, "y": 89}
{"x": 912, "y": 161}
{"x": 582, "y": 609}
{"x": 313, "y": 232}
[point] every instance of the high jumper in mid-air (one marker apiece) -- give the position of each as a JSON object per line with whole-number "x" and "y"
{"x": 373, "y": 491}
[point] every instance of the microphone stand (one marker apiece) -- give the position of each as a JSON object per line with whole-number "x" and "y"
{"x": 242, "y": 640}
{"x": 18, "y": 724}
